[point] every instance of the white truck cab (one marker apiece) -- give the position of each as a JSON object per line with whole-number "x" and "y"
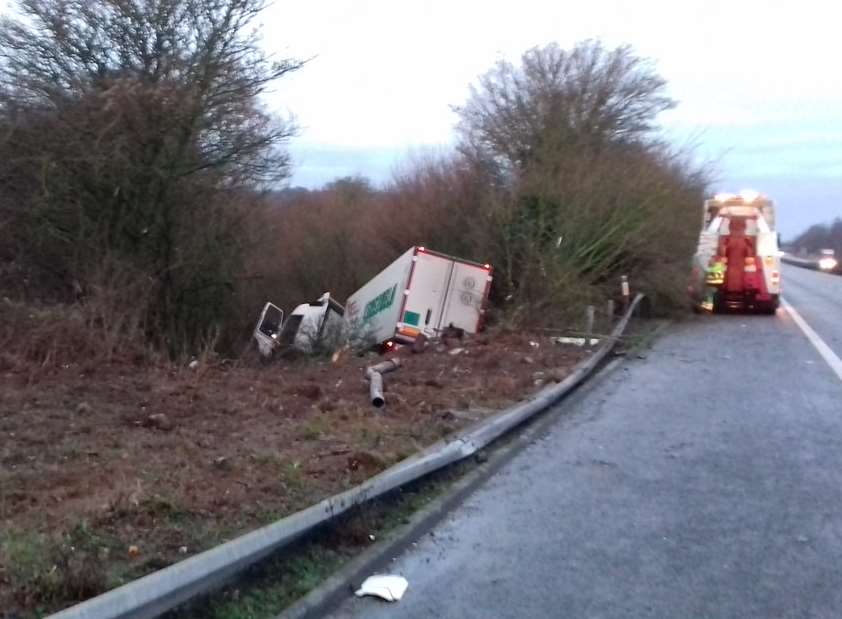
{"x": 310, "y": 326}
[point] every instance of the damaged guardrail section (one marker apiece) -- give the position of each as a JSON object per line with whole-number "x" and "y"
{"x": 160, "y": 591}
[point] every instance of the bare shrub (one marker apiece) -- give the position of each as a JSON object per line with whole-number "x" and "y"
{"x": 583, "y": 187}
{"x": 144, "y": 147}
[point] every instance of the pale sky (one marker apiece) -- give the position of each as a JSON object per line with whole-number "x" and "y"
{"x": 758, "y": 83}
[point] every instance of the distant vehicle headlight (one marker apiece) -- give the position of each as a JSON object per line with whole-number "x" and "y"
{"x": 827, "y": 264}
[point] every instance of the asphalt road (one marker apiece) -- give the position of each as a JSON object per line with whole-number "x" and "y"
{"x": 702, "y": 481}
{"x": 817, "y": 296}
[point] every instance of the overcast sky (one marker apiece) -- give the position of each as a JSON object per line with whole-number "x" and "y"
{"x": 758, "y": 82}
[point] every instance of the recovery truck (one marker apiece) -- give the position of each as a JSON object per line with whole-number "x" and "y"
{"x": 737, "y": 262}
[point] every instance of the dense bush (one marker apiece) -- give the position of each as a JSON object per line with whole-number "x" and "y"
{"x": 132, "y": 182}
{"x": 131, "y": 134}
{"x": 560, "y": 180}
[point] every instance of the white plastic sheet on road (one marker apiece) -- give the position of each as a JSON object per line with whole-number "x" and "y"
{"x": 386, "y": 586}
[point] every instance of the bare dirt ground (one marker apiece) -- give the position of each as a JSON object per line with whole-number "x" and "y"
{"x": 108, "y": 472}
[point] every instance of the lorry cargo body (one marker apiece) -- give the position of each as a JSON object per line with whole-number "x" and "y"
{"x": 422, "y": 292}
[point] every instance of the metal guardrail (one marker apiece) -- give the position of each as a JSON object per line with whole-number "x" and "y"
{"x": 165, "y": 589}
{"x": 804, "y": 263}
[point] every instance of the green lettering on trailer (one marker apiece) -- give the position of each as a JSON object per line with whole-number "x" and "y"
{"x": 379, "y": 303}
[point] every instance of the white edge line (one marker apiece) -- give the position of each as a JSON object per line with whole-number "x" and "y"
{"x": 827, "y": 354}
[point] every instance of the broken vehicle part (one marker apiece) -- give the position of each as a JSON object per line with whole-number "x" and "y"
{"x": 374, "y": 374}
{"x": 385, "y": 586}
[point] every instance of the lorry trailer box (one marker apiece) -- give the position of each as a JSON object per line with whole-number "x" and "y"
{"x": 422, "y": 292}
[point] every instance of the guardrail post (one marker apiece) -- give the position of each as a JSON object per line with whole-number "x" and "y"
{"x": 625, "y": 290}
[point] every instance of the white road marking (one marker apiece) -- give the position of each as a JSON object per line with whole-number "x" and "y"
{"x": 827, "y": 354}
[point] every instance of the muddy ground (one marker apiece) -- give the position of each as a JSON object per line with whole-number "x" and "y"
{"x": 108, "y": 472}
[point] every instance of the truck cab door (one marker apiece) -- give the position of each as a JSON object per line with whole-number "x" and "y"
{"x": 268, "y": 329}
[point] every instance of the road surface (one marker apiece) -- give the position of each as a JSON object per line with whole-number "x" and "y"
{"x": 702, "y": 481}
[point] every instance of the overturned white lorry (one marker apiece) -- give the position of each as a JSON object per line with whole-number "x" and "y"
{"x": 421, "y": 293}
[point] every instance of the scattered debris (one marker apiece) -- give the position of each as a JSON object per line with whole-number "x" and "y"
{"x": 374, "y": 373}
{"x": 365, "y": 461}
{"x": 375, "y": 389}
{"x": 576, "y": 341}
{"x": 134, "y": 551}
{"x": 386, "y": 586}
{"x": 182, "y": 550}
{"x": 534, "y": 344}
{"x": 419, "y": 345}
{"x": 456, "y": 351}
{"x": 193, "y": 364}
{"x": 337, "y": 356}
{"x": 83, "y": 408}
{"x": 453, "y": 333}
{"x": 160, "y": 421}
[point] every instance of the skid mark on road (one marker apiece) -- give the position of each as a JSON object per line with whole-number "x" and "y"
{"x": 827, "y": 354}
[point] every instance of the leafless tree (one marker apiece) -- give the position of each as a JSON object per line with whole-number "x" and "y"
{"x": 561, "y": 100}
{"x": 583, "y": 186}
{"x": 136, "y": 131}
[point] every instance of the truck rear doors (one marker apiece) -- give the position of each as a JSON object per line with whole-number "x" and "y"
{"x": 428, "y": 286}
{"x": 465, "y": 296}
{"x": 443, "y": 291}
